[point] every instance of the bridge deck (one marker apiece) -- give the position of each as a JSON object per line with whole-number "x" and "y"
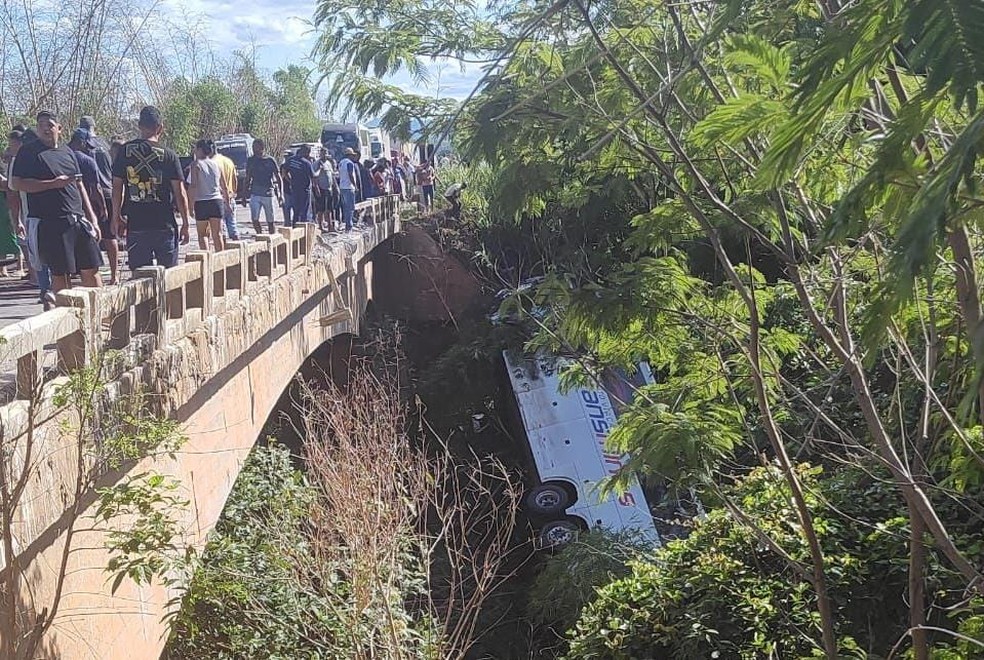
{"x": 19, "y": 298}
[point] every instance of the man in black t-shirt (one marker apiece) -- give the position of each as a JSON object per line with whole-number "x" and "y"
{"x": 68, "y": 232}
{"x": 147, "y": 185}
{"x": 299, "y": 175}
{"x": 262, "y": 182}
{"x": 99, "y": 151}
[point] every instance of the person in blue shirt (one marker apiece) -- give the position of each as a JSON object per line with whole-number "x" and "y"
{"x": 348, "y": 185}
{"x": 368, "y": 188}
{"x": 300, "y": 173}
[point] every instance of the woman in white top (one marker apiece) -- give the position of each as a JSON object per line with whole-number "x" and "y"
{"x": 209, "y": 195}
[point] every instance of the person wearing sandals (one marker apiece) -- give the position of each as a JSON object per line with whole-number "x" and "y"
{"x": 211, "y": 197}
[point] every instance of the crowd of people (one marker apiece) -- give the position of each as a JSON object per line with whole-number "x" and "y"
{"x": 66, "y": 203}
{"x": 325, "y": 190}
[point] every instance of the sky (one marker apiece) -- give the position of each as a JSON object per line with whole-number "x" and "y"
{"x": 281, "y": 33}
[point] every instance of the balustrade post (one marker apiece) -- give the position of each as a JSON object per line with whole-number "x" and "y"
{"x": 200, "y": 293}
{"x": 287, "y": 233}
{"x": 236, "y": 274}
{"x": 149, "y": 315}
{"x": 80, "y": 347}
{"x": 266, "y": 259}
{"x": 116, "y": 309}
{"x": 28, "y": 375}
{"x": 310, "y": 236}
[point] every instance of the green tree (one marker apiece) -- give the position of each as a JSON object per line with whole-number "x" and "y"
{"x": 206, "y": 109}
{"x": 801, "y": 265}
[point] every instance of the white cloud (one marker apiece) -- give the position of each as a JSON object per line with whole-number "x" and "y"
{"x": 276, "y": 27}
{"x": 282, "y": 33}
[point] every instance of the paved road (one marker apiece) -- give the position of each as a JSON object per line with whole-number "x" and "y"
{"x": 19, "y": 299}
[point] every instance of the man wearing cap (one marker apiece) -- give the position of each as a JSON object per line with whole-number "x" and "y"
{"x": 147, "y": 185}
{"x": 99, "y": 150}
{"x": 68, "y": 232}
{"x": 348, "y": 184}
{"x": 83, "y": 144}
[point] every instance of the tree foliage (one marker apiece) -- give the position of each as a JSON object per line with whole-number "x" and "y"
{"x": 776, "y": 205}
{"x": 722, "y": 593}
{"x": 281, "y": 110}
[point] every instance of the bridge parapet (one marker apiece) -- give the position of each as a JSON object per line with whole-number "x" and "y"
{"x": 157, "y": 306}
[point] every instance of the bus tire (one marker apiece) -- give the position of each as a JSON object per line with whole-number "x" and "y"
{"x": 548, "y": 499}
{"x": 558, "y": 534}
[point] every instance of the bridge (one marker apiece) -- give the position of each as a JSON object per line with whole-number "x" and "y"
{"x": 211, "y": 343}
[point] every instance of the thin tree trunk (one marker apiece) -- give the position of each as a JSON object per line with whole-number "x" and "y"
{"x": 917, "y": 586}
{"x": 968, "y": 298}
{"x": 753, "y": 348}
{"x": 802, "y": 509}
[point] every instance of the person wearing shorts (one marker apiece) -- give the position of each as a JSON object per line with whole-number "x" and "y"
{"x": 68, "y": 233}
{"x": 210, "y": 195}
{"x": 147, "y": 186}
{"x": 263, "y": 183}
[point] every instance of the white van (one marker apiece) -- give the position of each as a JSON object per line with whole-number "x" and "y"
{"x": 566, "y": 433}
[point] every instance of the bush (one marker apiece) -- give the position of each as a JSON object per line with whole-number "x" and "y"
{"x": 245, "y": 592}
{"x": 724, "y": 593}
{"x": 570, "y": 579}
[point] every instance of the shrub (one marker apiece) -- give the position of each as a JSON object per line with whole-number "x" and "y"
{"x": 722, "y": 592}
{"x": 570, "y": 579}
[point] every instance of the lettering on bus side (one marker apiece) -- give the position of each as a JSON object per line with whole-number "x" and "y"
{"x": 627, "y": 499}
{"x": 601, "y": 427}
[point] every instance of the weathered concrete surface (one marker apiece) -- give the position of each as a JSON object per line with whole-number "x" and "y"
{"x": 220, "y": 380}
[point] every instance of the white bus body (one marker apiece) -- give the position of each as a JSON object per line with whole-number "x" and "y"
{"x": 566, "y": 433}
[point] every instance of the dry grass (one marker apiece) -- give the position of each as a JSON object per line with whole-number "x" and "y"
{"x": 421, "y": 536}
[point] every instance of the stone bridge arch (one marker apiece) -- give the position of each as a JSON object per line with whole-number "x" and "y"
{"x": 217, "y": 340}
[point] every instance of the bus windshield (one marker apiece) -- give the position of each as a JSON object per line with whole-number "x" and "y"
{"x": 336, "y": 142}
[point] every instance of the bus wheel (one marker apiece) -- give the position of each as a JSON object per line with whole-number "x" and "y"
{"x": 547, "y": 499}
{"x": 558, "y": 533}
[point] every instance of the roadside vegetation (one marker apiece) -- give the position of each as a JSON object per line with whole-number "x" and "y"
{"x": 776, "y": 204}
{"x": 372, "y": 546}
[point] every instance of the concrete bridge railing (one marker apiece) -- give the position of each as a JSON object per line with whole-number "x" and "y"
{"x": 214, "y": 341}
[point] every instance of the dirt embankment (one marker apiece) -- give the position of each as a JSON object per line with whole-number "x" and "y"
{"x": 415, "y": 280}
